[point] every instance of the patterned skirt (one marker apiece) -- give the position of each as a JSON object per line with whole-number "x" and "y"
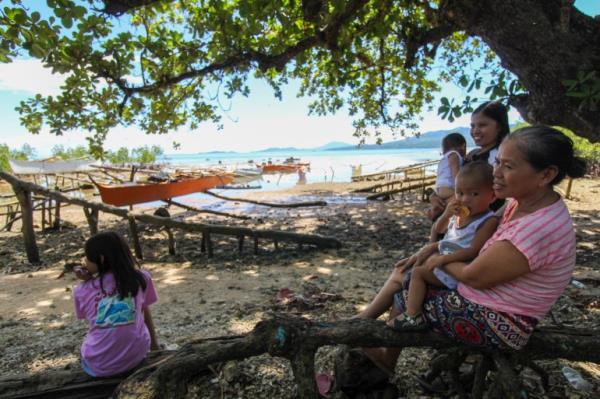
{"x": 450, "y": 314}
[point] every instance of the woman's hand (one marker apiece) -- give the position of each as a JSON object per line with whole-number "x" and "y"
{"x": 82, "y": 273}
{"x": 433, "y": 262}
{"x": 436, "y": 201}
{"x": 406, "y": 263}
{"x": 425, "y": 252}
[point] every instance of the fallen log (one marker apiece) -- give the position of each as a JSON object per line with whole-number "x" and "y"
{"x": 298, "y": 339}
{"x": 68, "y": 384}
{"x": 196, "y": 209}
{"x": 271, "y": 204}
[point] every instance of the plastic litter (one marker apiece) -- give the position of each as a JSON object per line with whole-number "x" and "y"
{"x": 577, "y": 284}
{"x": 576, "y": 380}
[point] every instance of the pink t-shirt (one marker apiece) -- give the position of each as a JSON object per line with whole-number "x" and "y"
{"x": 117, "y": 339}
{"x": 547, "y": 239}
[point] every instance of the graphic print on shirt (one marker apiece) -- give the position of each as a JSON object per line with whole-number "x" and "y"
{"x": 114, "y": 311}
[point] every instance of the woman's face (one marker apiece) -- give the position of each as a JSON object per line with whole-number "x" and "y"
{"x": 484, "y": 131}
{"x": 514, "y": 176}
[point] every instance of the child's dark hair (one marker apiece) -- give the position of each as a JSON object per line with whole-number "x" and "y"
{"x": 544, "y": 147}
{"x": 481, "y": 172}
{"x": 111, "y": 253}
{"x": 453, "y": 141}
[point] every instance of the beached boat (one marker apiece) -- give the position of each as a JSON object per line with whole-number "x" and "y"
{"x": 284, "y": 167}
{"x": 137, "y": 193}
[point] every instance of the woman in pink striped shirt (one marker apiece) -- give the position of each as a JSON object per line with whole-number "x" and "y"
{"x": 521, "y": 270}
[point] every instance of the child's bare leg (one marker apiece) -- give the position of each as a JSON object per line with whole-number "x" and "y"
{"x": 417, "y": 290}
{"x": 384, "y": 298}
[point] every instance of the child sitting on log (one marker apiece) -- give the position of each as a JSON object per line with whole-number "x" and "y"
{"x": 114, "y": 298}
{"x": 467, "y": 223}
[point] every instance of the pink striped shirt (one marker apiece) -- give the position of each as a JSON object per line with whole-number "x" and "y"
{"x": 547, "y": 239}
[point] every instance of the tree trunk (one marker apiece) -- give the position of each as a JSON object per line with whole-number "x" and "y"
{"x": 544, "y": 43}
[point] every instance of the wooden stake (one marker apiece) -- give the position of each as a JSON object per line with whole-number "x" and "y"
{"x": 203, "y": 243}
{"x": 209, "y": 245}
{"x": 43, "y": 214}
{"x": 255, "y": 245}
{"x": 240, "y": 243}
{"x": 172, "y": 245}
{"x": 137, "y": 248}
{"x": 24, "y": 197}
{"x": 57, "y": 216}
{"x": 92, "y": 218}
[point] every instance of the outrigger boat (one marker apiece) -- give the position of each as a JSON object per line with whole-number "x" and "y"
{"x": 284, "y": 167}
{"x": 137, "y": 193}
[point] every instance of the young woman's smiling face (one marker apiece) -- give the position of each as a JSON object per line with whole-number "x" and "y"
{"x": 484, "y": 131}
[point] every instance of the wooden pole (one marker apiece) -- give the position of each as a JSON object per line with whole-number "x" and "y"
{"x": 92, "y": 218}
{"x": 43, "y": 213}
{"x": 569, "y": 187}
{"x": 24, "y": 197}
{"x": 172, "y": 244}
{"x": 240, "y": 243}
{"x": 137, "y": 248}
{"x": 57, "y": 216}
{"x": 209, "y": 244}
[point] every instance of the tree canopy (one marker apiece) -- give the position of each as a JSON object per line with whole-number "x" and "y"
{"x": 163, "y": 64}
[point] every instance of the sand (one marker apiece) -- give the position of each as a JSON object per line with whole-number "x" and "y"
{"x": 229, "y": 293}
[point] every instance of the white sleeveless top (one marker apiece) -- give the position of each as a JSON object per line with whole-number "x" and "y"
{"x": 444, "y": 173}
{"x": 461, "y": 237}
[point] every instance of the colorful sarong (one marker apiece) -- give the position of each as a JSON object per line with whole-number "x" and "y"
{"x": 448, "y": 313}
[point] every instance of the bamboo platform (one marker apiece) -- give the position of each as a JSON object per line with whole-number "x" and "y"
{"x": 404, "y": 172}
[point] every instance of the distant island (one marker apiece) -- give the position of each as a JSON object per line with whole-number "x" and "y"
{"x": 431, "y": 139}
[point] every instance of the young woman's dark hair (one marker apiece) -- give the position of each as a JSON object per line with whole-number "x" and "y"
{"x": 544, "y": 146}
{"x": 498, "y": 112}
{"x": 109, "y": 251}
{"x": 453, "y": 141}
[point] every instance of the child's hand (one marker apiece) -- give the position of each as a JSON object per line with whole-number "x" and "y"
{"x": 82, "y": 273}
{"x": 453, "y": 207}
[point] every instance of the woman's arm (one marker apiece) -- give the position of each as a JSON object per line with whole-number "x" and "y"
{"x": 500, "y": 263}
{"x": 150, "y": 324}
{"x": 485, "y": 231}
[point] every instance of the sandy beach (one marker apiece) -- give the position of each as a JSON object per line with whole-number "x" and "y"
{"x": 229, "y": 293}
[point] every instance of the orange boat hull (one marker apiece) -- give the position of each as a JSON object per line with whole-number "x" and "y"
{"x": 129, "y": 194}
{"x": 275, "y": 168}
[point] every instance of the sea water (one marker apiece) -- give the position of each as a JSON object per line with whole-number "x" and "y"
{"x": 325, "y": 166}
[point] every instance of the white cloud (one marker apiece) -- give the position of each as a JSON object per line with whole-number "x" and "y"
{"x": 29, "y": 76}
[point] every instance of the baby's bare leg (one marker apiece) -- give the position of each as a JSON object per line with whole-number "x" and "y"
{"x": 417, "y": 290}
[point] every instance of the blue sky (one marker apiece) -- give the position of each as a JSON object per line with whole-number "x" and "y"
{"x": 253, "y": 123}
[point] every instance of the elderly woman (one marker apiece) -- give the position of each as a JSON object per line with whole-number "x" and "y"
{"x": 521, "y": 270}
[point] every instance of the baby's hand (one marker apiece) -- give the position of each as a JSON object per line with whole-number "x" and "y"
{"x": 82, "y": 273}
